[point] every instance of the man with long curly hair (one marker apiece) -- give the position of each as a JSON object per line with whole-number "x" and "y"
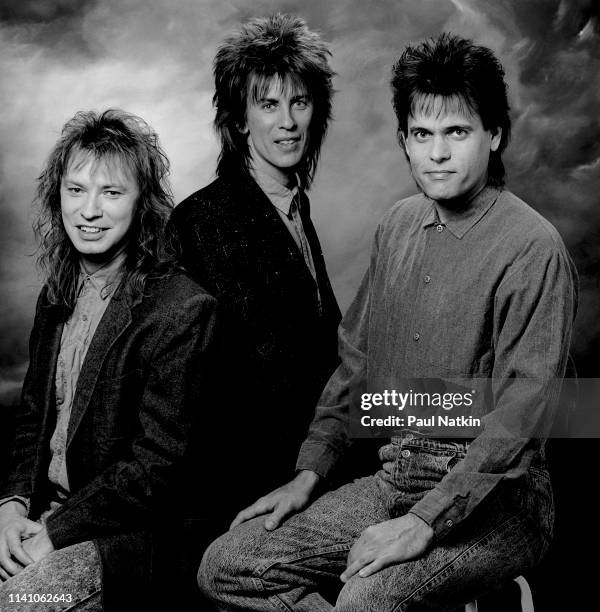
{"x": 118, "y": 353}
{"x": 248, "y": 238}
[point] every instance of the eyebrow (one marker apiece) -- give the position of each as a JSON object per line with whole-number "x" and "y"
{"x": 462, "y": 126}
{"x": 66, "y": 179}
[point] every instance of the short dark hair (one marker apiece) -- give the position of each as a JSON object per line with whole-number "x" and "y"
{"x": 281, "y": 47}
{"x": 461, "y": 72}
{"x": 112, "y": 135}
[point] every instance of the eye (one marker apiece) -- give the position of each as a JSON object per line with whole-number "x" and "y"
{"x": 301, "y": 103}
{"x": 459, "y": 132}
{"x": 420, "y": 135}
{"x": 112, "y": 193}
{"x": 74, "y": 190}
{"x": 268, "y": 106}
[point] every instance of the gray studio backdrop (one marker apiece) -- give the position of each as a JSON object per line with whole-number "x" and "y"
{"x": 153, "y": 58}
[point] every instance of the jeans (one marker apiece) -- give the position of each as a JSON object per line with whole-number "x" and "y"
{"x": 297, "y": 566}
{"x": 73, "y": 572}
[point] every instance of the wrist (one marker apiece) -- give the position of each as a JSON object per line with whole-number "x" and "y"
{"x": 13, "y": 508}
{"x": 307, "y": 478}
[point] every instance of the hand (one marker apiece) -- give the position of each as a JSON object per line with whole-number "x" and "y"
{"x": 14, "y": 528}
{"x": 388, "y": 543}
{"x": 282, "y": 502}
{"x": 39, "y": 545}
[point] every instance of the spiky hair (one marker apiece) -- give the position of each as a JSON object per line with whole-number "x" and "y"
{"x": 467, "y": 76}
{"x": 278, "y": 47}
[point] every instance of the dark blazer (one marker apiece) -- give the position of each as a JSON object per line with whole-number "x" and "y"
{"x": 282, "y": 346}
{"x": 133, "y": 419}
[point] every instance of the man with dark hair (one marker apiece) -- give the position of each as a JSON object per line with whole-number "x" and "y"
{"x": 97, "y": 491}
{"x": 248, "y": 238}
{"x": 466, "y": 281}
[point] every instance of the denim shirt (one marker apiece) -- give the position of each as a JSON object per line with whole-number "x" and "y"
{"x": 489, "y": 294}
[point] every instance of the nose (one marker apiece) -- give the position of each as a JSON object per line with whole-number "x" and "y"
{"x": 90, "y": 208}
{"x": 440, "y": 151}
{"x": 287, "y": 119}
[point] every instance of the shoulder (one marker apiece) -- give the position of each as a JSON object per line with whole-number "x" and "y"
{"x": 404, "y": 214}
{"x": 210, "y": 201}
{"x": 526, "y": 227}
{"x": 174, "y": 293}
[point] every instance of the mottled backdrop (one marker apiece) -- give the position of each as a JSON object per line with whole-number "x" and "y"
{"x": 153, "y": 58}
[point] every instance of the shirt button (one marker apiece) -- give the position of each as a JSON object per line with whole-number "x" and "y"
{"x": 449, "y": 523}
{"x": 440, "y": 228}
{"x": 84, "y": 317}
{"x": 416, "y": 336}
{"x": 427, "y": 278}
{"x": 405, "y": 453}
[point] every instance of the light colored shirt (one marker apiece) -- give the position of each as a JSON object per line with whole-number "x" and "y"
{"x": 287, "y": 203}
{"x": 93, "y": 298}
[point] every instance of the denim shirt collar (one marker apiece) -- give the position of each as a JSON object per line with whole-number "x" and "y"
{"x": 461, "y": 221}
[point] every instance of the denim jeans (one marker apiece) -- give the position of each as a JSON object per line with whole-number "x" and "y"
{"x": 297, "y": 566}
{"x": 73, "y": 572}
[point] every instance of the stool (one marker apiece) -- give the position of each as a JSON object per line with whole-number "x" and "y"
{"x": 526, "y": 597}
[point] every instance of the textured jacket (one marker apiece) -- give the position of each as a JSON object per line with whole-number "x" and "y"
{"x": 281, "y": 345}
{"x": 132, "y": 428}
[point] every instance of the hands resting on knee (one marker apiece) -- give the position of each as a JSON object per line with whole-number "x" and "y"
{"x": 388, "y": 543}
{"x": 282, "y": 502}
{"x": 22, "y": 541}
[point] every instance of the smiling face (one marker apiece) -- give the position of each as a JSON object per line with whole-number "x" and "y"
{"x": 449, "y": 150}
{"x": 277, "y": 125}
{"x": 98, "y": 202}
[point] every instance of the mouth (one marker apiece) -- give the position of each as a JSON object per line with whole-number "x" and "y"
{"x": 287, "y": 143}
{"x": 439, "y": 175}
{"x": 90, "y": 229}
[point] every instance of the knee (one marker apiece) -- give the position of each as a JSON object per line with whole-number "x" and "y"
{"x": 226, "y": 561}
{"x": 216, "y": 566}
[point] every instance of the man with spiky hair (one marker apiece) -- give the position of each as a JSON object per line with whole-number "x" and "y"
{"x": 466, "y": 281}
{"x": 249, "y": 239}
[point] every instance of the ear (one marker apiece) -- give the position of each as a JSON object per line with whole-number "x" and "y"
{"x": 402, "y": 142}
{"x": 495, "y": 140}
{"x": 243, "y": 129}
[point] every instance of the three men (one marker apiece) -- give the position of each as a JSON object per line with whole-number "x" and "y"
{"x": 466, "y": 282}
{"x": 248, "y": 238}
{"x": 92, "y": 510}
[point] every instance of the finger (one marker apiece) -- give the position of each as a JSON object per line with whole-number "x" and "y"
{"x": 3, "y": 575}
{"x": 7, "y": 564}
{"x": 374, "y": 567}
{"x": 31, "y": 527}
{"x": 352, "y": 569}
{"x": 15, "y": 545}
{"x": 255, "y": 509}
{"x": 280, "y": 513}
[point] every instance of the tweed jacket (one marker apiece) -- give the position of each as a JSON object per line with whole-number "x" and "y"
{"x": 132, "y": 424}
{"x": 282, "y": 344}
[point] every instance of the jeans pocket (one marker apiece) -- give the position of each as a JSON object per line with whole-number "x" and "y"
{"x": 417, "y": 472}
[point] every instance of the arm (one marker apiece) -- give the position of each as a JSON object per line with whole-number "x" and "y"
{"x": 533, "y": 314}
{"x": 130, "y": 493}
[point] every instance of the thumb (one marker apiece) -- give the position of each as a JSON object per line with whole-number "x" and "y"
{"x": 31, "y": 527}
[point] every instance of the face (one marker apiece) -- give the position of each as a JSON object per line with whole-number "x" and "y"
{"x": 449, "y": 152}
{"x": 278, "y": 130}
{"x": 98, "y": 201}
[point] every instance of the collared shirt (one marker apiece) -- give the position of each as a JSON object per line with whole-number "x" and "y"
{"x": 93, "y": 298}
{"x": 491, "y": 293}
{"x": 287, "y": 203}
